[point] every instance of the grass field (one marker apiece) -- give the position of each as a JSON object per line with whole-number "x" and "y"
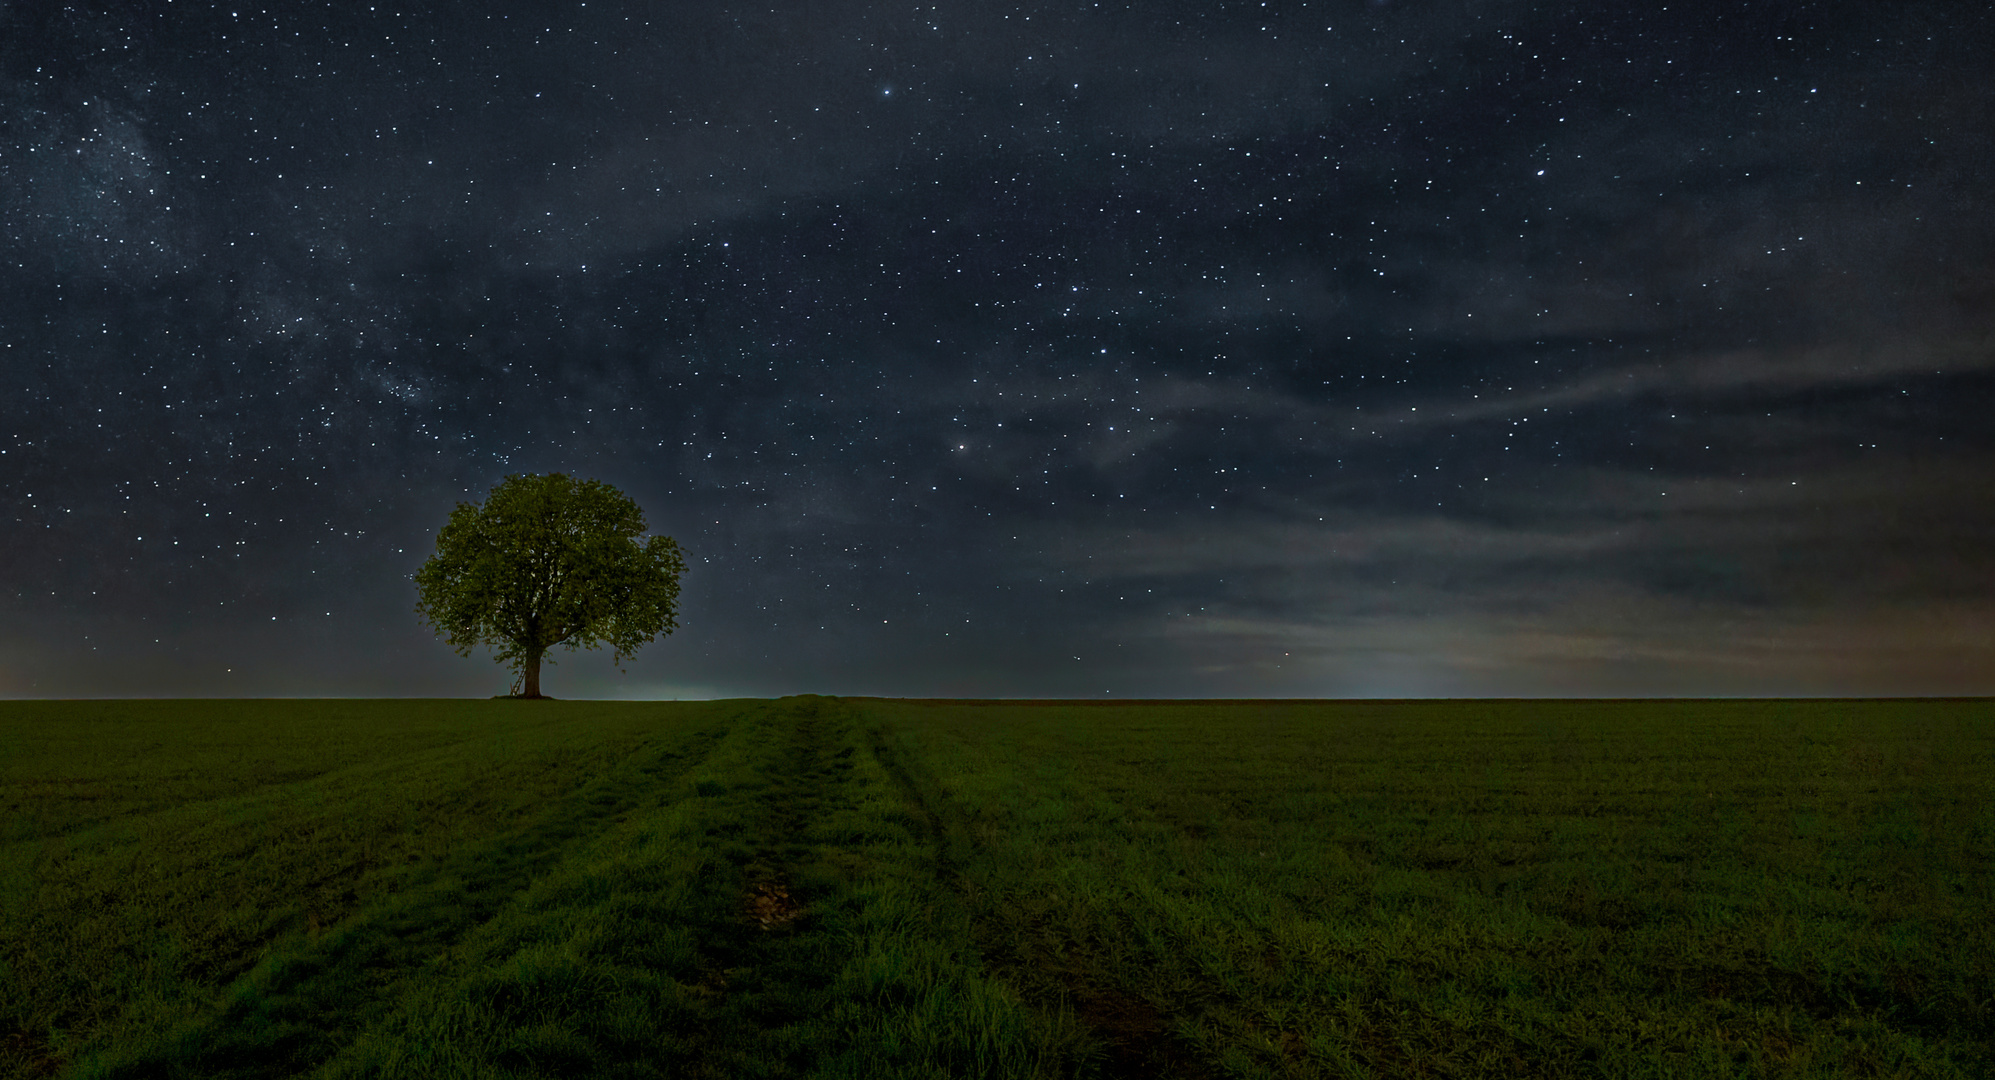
{"x": 864, "y": 888}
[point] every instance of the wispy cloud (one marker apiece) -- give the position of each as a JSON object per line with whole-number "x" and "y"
{"x": 1729, "y": 371}
{"x": 1600, "y": 643}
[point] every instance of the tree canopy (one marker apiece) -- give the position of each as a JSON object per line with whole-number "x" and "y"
{"x": 549, "y": 560}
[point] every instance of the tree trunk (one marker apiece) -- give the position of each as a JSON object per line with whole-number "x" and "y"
{"x": 531, "y": 689}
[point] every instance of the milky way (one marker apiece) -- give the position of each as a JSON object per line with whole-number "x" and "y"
{"x": 980, "y": 349}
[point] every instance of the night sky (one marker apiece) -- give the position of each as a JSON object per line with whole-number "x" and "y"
{"x": 983, "y": 349}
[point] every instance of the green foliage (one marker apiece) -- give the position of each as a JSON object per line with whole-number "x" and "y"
{"x": 549, "y": 560}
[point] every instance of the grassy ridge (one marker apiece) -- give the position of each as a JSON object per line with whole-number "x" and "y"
{"x": 1486, "y": 888}
{"x": 862, "y": 888}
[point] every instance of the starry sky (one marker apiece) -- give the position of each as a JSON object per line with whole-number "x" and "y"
{"x": 1345, "y": 348}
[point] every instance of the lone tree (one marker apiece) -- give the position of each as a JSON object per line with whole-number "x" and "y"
{"x": 549, "y": 560}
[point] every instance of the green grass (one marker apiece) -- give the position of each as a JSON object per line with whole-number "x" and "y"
{"x": 864, "y": 888}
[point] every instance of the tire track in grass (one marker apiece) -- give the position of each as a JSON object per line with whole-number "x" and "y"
{"x": 1134, "y": 1040}
{"x": 640, "y": 954}
{"x": 612, "y": 965}
{"x": 675, "y": 946}
{"x": 807, "y": 855}
{"x": 305, "y": 999}
{"x": 911, "y": 997}
{"x": 842, "y": 957}
{"x": 770, "y": 909}
{"x": 115, "y": 934}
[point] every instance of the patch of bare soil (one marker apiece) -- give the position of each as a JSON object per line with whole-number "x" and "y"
{"x": 771, "y": 905}
{"x": 28, "y": 1055}
{"x": 712, "y": 984}
{"x": 1141, "y": 1045}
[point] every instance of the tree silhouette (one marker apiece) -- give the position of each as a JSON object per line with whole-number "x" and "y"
{"x": 549, "y": 560}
